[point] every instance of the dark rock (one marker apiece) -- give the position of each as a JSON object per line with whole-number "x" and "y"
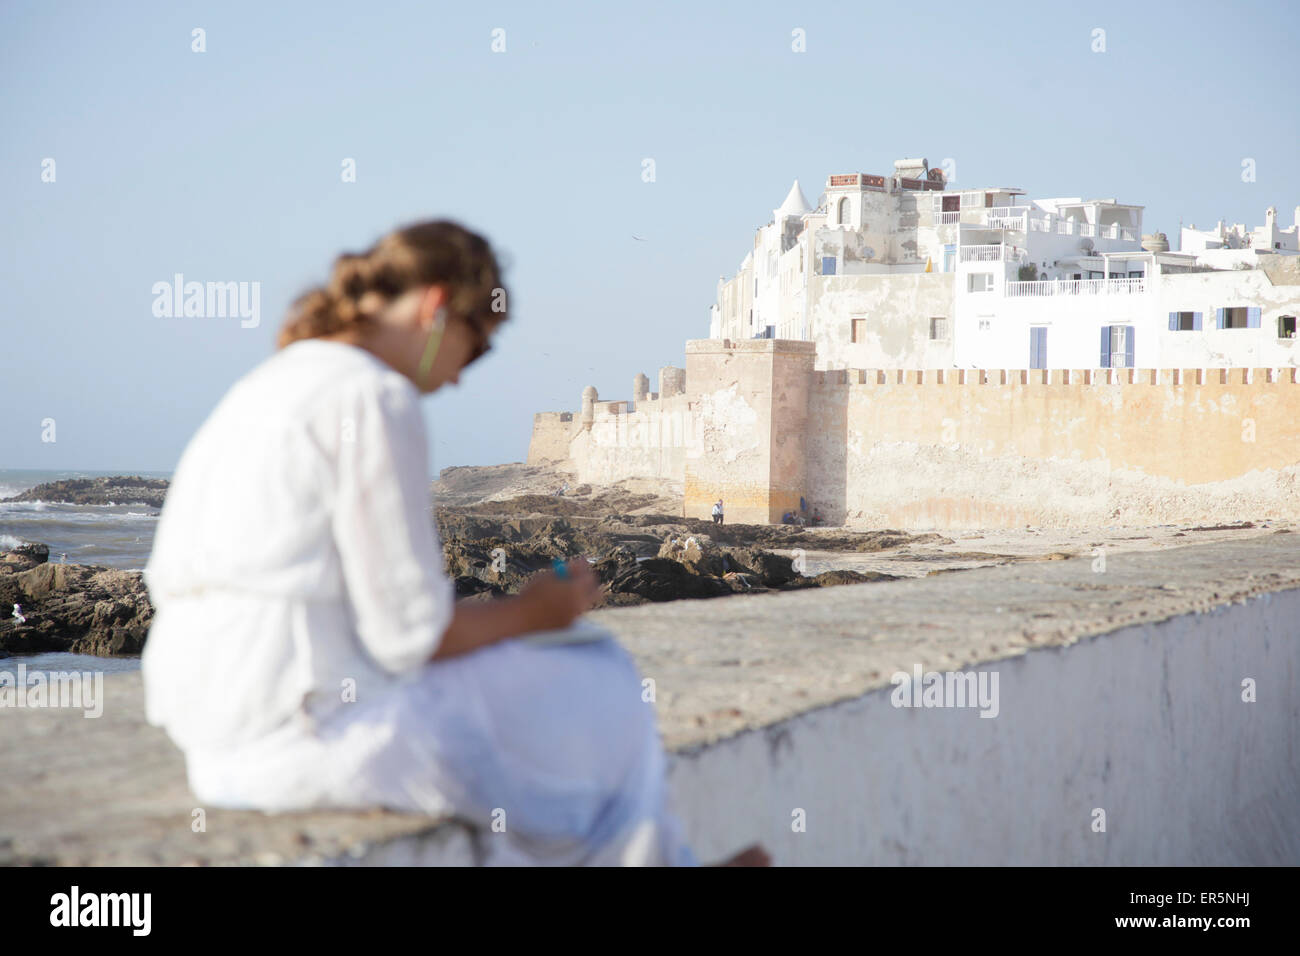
{"x": 117, "y": 489}
{"x": 74, "y": 608}
{"x": 828, "y": 578}
{"x": 26, "y": 556}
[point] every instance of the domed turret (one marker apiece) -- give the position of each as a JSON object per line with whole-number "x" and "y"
{"x": 1155, "y": 242}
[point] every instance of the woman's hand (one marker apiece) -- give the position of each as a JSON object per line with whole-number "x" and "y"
{"x": 551, "y": 602}
{"x": 548, "y": 602}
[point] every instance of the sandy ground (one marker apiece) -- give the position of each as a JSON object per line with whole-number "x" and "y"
{"x": 465, "y": 486}
{"x": 977, "y": 549}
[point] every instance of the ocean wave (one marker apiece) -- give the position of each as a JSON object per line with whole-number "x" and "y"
{"x": 8, "y": 542}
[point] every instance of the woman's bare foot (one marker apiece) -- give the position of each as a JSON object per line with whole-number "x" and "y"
{"x": 750, "y": 856}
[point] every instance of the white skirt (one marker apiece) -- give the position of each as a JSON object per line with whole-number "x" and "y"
{"x": 549, "y": 750}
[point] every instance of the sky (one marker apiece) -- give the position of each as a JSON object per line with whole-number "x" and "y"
{"x": 228, "y": 165}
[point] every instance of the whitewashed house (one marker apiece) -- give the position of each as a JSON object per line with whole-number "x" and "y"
{"x": 900, "y": 272}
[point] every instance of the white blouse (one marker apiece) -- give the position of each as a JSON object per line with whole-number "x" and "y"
{"x": 295, "y": 565}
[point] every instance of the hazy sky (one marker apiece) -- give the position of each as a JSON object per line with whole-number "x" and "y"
{"x": 225, "y": 165}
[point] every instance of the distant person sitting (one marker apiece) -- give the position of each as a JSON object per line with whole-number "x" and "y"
{"x": 817, "y": 516}
{"x": 717, "y": 512}
{"x": 787, "y": 518}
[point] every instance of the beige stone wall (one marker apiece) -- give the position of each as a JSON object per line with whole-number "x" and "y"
{"x": 1001, "y": 449}
{"x": 552, "y": 432}
{"x": 759, "y": 428}
{"x": 749, "y": 403}
{"x": 649, "y": 442}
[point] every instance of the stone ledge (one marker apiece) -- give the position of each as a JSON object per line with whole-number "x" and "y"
{"x": 111, "y": 791}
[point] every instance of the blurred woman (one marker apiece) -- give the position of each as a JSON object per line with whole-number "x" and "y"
{"x": 307, "y": 650}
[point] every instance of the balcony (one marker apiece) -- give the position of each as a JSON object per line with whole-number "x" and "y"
{"x": 1019, "y": 290}
{"x": 989, "y": 253}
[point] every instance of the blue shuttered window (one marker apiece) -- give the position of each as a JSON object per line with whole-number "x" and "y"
{"x": 828, "y": 265}
{"x": 1196, "y": 321}
{"x": 1218, "y": 318}
{"x": 1105, "y": 347}
{"x": 1173, "y": 321}
{"x": 1038, "y": 347}
{"x": 1129, "y": 336}
{"x": 1252, "y": 318}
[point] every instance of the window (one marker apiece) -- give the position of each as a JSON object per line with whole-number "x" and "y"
{"x": 1184, "y": 321}
{"x": 828, "y": 265}
{"x": 1242, "y": 317}
{"x": 979, "y": 282}
{"x": 1117, "y": 346}
{"x": 1038, "y": 346}
{"x": 844, "y": 211}
{"x": 1138, "y": 274}
{"x": 984, "y": 325}
{"x": 938, "y": 328}
{"x": 1286, "y": 326}
{"x": 858, "y": 333}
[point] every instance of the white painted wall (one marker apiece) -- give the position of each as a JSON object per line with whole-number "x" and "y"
{"x": 1146, "y": 723}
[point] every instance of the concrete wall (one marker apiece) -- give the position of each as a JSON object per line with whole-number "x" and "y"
{"x": 1146, "y": 723}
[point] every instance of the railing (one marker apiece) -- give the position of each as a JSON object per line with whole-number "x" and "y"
{"x": 947, "y": 218}
{"x": 989, "y": 253}
{"x": 1007, "y": 217}
{"x": 1017, "y": 290}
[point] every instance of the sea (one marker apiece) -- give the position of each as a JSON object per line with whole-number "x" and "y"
{"x": 112, "y": 535}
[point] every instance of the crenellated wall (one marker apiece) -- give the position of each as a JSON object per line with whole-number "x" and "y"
{"x": 998, "y": 448}
{"x": 758, "y": 427}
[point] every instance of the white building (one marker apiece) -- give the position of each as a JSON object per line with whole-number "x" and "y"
{"x": 900, "y": 272}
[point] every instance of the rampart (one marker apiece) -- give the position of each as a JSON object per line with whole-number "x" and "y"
{"x": 760, "y": 428}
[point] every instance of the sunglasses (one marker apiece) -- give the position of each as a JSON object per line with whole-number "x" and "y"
{"x": 482, "y": 344}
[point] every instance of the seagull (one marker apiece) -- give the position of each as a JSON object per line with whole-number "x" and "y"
{"x": 638, "y": 239}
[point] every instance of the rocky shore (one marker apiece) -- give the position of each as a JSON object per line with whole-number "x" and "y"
{"x": 491, "y": 547}
{"x": 114, "y": 490}
{"x": 641, "y": 558}
{"x": 70, "y": 607}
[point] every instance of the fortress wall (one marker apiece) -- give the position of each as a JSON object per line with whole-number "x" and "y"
{"x": 749, "y": 399}
{"x": 1008, "y": 448}
{"x": 649, "y": 442}
{"x": 552, "y": 432}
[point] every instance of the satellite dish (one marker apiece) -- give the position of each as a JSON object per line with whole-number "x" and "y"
{"x": 1086, "y": 245}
